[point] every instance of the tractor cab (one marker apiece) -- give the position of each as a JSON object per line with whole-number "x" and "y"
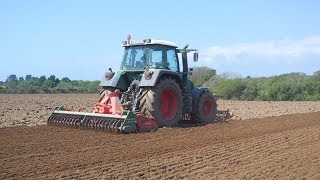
{"x": 149, "y": 54}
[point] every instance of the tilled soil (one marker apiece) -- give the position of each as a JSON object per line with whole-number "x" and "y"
{"x": 284, "y": 147}
{"x": 270, "y": 146}
{"x": 34, "y": 109}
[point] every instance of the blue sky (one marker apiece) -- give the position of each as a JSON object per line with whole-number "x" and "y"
{"x": 81, "y": 39}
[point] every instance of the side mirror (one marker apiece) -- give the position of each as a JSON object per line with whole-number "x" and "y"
{"x": 195, "y": 56}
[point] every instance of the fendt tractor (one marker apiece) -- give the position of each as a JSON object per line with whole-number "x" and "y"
{"x": 151, "y": 90}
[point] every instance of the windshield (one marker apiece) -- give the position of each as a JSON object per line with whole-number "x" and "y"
{"x": 154, "y": 56}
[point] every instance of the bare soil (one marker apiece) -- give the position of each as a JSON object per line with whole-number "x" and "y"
{"x": 278, "y": 147}
{"x": 34, "y": 109}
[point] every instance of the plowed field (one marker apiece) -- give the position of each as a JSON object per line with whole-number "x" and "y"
{"x": 279, "y": 147}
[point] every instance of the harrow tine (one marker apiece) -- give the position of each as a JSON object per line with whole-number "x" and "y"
{"x": 65, "y": 121}
{"x": 114, "y": 126}
{"x": 56, "y": 122}
{"x": 49, "y": 120}
{"x": 108, "y": 121}
{"x": 53, "y": 120}
{"x": 87, "y": 125}
{"x": 118, "y": 124}
{"x": 61, "y": 122}
{"x": 99, "y": 124}
{"x": 68, "y": 119}
{"x": 104, "y": 125}
{"x": 109, "y": 125}
{"x": 84, "y": 123}
{"x": 93, "y": 123}
{"x": 71, "y": 121}
{"x": 74, "y": 123}
{"x": 90, "y": 123}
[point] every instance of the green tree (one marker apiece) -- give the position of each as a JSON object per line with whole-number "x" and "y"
{"x": 201, "y": 74}
{"x": 3, "y": 89}
{"x": 317, "y": 75}
{"x": 54, "y": 80}
{"x": 93, "y": 86}
{"x": 65, "y": 79}
{"x": 31, "y": 86}
{"x": 48, "y": 85}
{"x": 12, "y": 81}
{"x": 250, "y": 91}
{"x": 64, "y": 87}
{"x": 28, "y": 77}
{"x": 42, "y": 79}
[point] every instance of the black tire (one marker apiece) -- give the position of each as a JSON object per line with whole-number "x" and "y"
{"x": 206, "y": 108}
{"x": 163, "y": 102}
{"x": 104, "y": 92}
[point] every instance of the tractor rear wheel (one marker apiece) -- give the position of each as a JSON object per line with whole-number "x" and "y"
{"x": 206, "y": 108}
{"x": 163, "y": 102}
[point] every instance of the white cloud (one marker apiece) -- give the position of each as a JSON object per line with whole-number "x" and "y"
{"x": 287, "y": 49}
{"x": 265, "y": 58}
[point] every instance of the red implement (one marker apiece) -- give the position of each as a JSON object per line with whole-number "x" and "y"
{"x": 110, "y": 104}
{"x": 146, "y": 123}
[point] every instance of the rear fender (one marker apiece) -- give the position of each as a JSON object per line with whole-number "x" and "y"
{"x": 156, "y": 74}
{"x": 111, "y": 82}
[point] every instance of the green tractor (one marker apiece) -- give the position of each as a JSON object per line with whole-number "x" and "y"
{"x": 151, "y": 89}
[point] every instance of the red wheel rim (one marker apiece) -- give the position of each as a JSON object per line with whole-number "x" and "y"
{"x": 169, "y": 104}
{"x": 207, "y": 108}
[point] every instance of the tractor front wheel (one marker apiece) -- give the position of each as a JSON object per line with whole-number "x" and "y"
{"x": 205, "y": 108}
{"x": 163, "y": 102}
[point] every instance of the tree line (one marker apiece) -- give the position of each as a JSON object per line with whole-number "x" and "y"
{"x": 43, "y": 84}
{"x": 285, "y": 87}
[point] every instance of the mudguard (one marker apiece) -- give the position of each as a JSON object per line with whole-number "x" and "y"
{"x": 111, "y": 82}
{"x": 156, "y": 74}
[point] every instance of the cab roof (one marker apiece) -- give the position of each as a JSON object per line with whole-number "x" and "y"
{"x": 147, "y": 42}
